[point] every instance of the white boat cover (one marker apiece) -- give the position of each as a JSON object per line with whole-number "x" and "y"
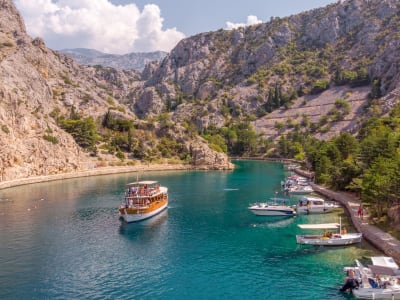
{"x": 382, "y": 270}
{"x": 319, "y": 226}
{"x": 384, "y": 261}
{"x": 148, "y": 182}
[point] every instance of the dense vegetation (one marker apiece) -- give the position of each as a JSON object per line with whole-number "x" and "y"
{"x": 367, "y": 164}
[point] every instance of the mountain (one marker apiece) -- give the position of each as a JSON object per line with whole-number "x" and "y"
{"x": 289, "y": 70}
{"x": 130, "y": 61}
{"x": 57, "y": 116}
{"x": 320, "y": 72}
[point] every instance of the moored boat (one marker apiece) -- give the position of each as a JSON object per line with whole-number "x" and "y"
{"x": 300, "y": 189}
{"x": 276, "y": 207}
{"x": 315, "y": 205}
{"x": 377, "y": 281}
{"x": 143, "y": 199}
{"x": 336, "y": 237}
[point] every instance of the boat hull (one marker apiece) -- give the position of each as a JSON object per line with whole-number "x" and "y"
{"x": 272, "y": 212}
{"x": 335, "y": 240}
{"x": 376, "y": 293}
{"x": 135, "y": 215}
{"x": 315, "y": 209}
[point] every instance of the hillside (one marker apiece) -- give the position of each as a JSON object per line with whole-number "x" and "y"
{"x": 130, "y": 61}
{"x": 245, "y": 74}
{"x": 235, "y": 92}
{"x": 52, "y": 111}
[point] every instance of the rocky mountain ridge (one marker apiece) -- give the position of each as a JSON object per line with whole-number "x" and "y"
{"x": 39, "y": 88}
{"x": 129, "y": 61}
{"x": 322, "y": 71}
{"x": 237, "y": 69}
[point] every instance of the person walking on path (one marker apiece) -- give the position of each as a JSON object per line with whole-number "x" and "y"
{"x": 360, "y": 211}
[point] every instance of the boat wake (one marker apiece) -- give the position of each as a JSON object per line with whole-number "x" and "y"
{"x": 231, "y": 190}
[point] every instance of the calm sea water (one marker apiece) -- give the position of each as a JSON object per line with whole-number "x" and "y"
{"x": 63, "y": 240}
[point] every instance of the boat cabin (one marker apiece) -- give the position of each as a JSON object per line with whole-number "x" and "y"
{"x": 143, "y": 193}
{"x": 314, "y": 201}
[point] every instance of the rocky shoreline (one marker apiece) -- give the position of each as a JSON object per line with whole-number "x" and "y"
{"x": 96, "y": 172}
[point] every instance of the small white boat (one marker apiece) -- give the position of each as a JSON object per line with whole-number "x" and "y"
{"x": 377, "y": 281}
{"x": 314, "y": 205}
{"x": 300, "y": 189}
{"x": 143, "y": 199}
{"x": 277, "y": 207}
{"x": 328, "y": 238}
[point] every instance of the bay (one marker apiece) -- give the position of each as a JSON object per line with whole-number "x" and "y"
{"x": 63, "y": 240}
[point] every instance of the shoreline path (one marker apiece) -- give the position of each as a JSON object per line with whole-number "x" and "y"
{"x": 380, "y": 239}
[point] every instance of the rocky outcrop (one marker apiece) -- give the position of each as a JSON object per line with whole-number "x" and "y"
{"x": 204, "y": 158}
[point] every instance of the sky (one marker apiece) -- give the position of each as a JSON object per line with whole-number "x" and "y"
{"x": 124, "y": 26}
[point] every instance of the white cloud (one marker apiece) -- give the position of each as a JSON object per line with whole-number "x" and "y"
{"x": 251, "y": 20}
{"x": 98, "y": 24}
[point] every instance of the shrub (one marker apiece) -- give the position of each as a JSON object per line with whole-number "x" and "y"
{"x": 5, "y": 128}
{"x": 319, "y": 86}
{"x": 51, "y": 139}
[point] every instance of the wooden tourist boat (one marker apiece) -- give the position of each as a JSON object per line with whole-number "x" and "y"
{"x": 143, "y": 199}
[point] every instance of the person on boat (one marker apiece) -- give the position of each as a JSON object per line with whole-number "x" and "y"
{"x": 351, "y": 282}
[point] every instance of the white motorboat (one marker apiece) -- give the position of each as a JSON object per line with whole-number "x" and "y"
{"x": 336, "y": 237}
{"x": 300, "y": 189}
{"x": 309, "y": 204}
{"x": 277, "y": 207}
{"x": 377, "y": 281}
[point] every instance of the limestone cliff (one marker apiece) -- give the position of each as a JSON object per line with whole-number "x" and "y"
{"x": 39, "y": 86}
{"x": 215, "y": 72}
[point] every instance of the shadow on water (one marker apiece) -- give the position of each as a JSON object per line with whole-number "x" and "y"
{"x": 272, "y": 221}
{"x": 148, "y": 225}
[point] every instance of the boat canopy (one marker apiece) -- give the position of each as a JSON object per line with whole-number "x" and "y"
{"x": 382, "y": 270}
{"x": 319, "y": 226}
{"x": 384, "y": 261}
{"x": 148, "y": 182}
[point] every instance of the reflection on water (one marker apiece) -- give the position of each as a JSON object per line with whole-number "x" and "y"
{"x": 274, "y": 221}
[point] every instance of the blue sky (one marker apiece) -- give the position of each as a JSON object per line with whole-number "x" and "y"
{"x": 123, "y": 26}
{"x": 193, "y": 17}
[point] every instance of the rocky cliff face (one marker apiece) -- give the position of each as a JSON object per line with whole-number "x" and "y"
{"x": 290, "y": 71}
{"x": 236, "y": 69}
{"x": 38, "y": 85}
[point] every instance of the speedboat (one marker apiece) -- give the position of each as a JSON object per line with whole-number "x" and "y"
{"x": 277, "y": 207}
{"x": 332, "y": 235}
{"x": 309, "y": 204}
{"x": 380, "y": 280}
{"x": 142, "y": 200}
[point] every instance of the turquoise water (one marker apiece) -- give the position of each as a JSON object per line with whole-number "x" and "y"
{"x": 63, "y": 240}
